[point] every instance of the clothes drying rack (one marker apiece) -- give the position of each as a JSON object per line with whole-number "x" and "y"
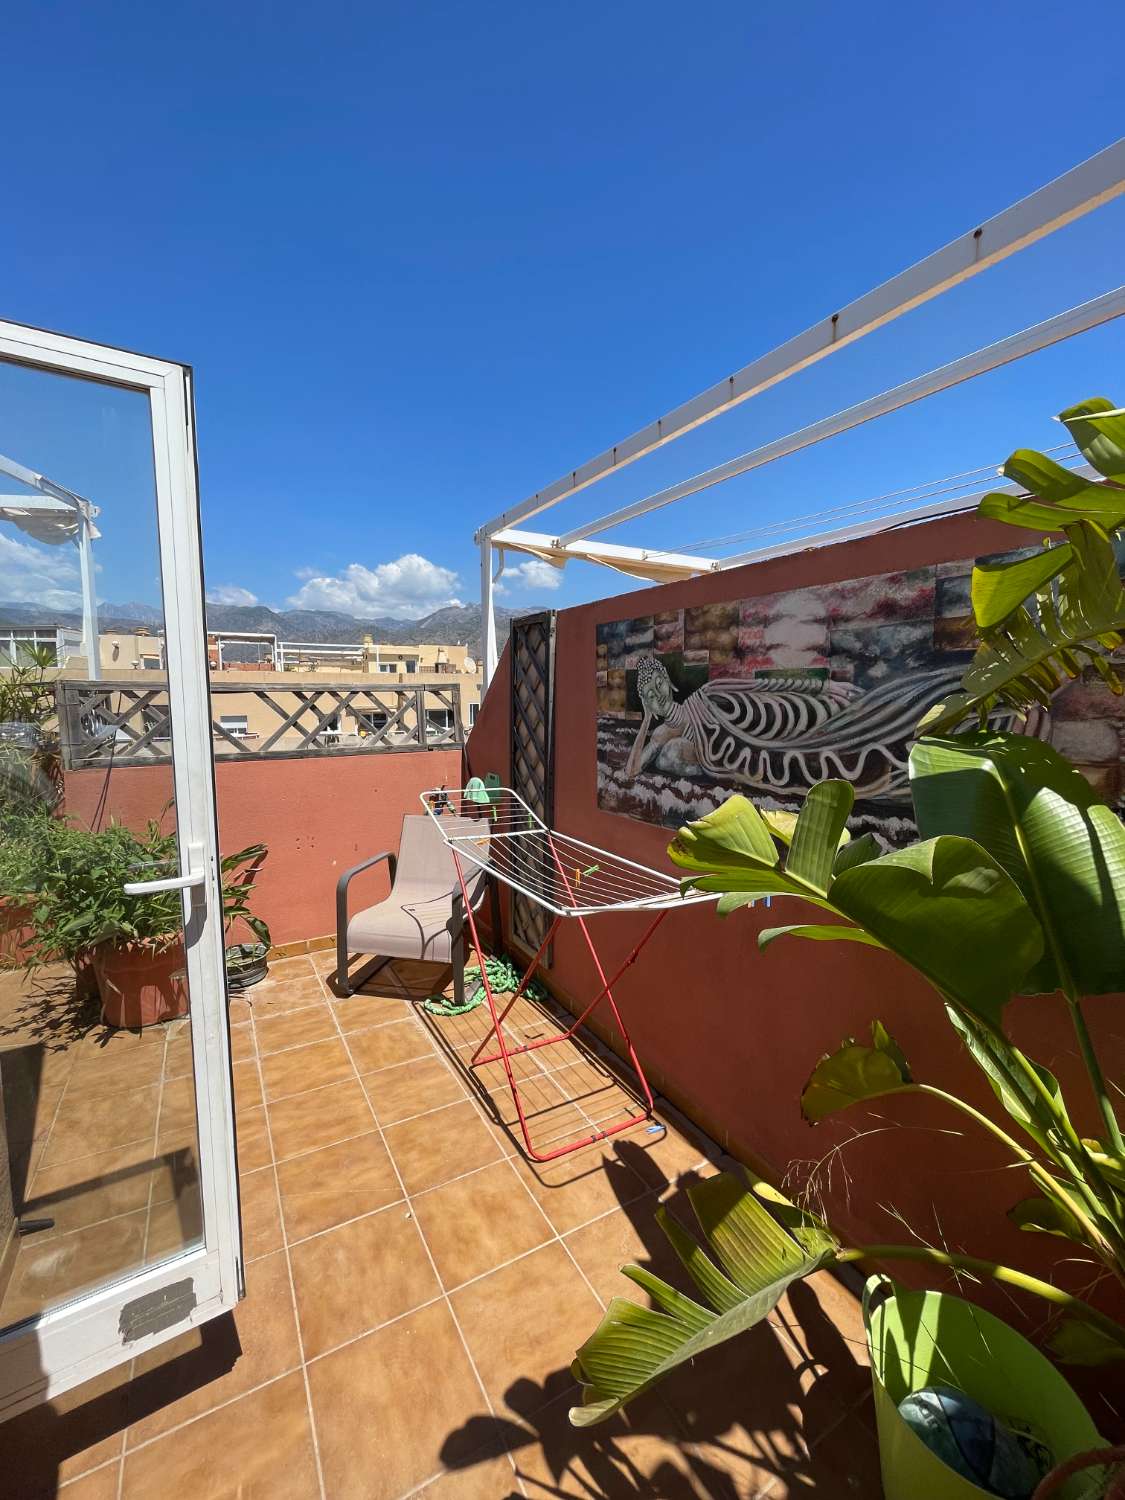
{"x": 571, "y": 880}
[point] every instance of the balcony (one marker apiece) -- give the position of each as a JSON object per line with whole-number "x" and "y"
{"x": 416, "y": 1287}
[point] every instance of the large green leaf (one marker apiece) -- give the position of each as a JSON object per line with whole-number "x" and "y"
{"x": 1002, "y": 1064}
{"x": 951, "y": 911}
{"x": 821, "y": 828}
{"x": 1047, "y": 1216}
{"x": 853, "y": 1073}
{"x": 1040, "y": 819}
{"x": 1021, "y": 662}
{"x": 755, "y": 1258}
{"x": 1101, "y": 438}
{"x": 1077, "y": 1342}
{"x": 733, "y": 836}
{"x": 999, "y": 588}
{"x": 817, "y": 934}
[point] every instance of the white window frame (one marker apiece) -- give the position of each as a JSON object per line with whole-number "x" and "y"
{"x": 83, "y": 1338}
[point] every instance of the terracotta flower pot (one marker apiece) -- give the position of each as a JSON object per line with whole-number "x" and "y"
{"x": 15, "y": 933}
{"x": 140, "y": 984}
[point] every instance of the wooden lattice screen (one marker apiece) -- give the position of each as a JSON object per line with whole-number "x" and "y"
{"x": 533, "y": 663}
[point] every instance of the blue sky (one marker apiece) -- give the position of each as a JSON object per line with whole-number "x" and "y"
{"x": 426, "y": 257}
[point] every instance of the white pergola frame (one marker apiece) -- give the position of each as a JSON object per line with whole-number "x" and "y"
{"x": 57, "y": 499}
{"x": 1077, "y": 192}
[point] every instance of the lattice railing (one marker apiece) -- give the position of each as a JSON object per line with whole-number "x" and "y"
{"x": 532, "y": 656}
{"x": 121, "y": 721}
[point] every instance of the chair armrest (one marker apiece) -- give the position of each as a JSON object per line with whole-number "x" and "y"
{"x": 342, "y": 909}
{"x": 349, "y": 875}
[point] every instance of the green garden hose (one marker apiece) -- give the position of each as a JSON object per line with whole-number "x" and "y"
{"x": 503, "y": 979}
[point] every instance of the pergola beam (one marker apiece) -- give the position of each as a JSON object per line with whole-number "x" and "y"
{"x": 536, "y": 543}
{"x": 1016, "y": 346}
{"x": 1067, "y": 198}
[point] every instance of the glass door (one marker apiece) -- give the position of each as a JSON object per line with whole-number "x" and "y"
{"x": 119, "y": 1218}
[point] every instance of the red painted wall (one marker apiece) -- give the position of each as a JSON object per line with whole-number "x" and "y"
{"x": 731, "y": 1034}
{"x": 318, "y": 815}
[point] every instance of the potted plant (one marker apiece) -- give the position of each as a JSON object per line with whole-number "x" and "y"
{"x": 1026, "y": 865}
{"x": 247, "y": 963}
{"x": 81, "y": 912}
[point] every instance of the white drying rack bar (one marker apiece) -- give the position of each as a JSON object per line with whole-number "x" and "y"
{"x": 566, "y": 876}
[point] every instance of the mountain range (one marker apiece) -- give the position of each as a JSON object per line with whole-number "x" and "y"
{"x": 456, "y": 624}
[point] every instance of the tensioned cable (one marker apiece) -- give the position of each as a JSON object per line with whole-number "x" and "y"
{"x": 927, "y": 493}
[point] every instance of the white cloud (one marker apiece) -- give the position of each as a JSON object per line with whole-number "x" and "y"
{"x": 410, "y": 587}
{"x": 230, "y": 593}
{"x": 33, "y": 574}
{"x": 529, "y": 576}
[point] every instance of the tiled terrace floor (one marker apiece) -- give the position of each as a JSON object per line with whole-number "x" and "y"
{"x": 417, "y": 1288}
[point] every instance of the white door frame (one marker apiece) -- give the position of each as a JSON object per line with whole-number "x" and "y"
{"x": 105, "y": 1328}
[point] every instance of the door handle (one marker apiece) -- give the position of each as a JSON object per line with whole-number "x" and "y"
{"x": 172, "y": 883}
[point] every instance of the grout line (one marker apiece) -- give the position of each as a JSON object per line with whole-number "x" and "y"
{"x": 292, "y": 1285}
{"x": 419, "y": 1231}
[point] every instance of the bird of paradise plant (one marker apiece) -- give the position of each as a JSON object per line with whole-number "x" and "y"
{"x": 1020, "y": 859}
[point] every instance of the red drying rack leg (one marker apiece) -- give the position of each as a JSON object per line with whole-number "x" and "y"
{"x": 505, "y": 1053}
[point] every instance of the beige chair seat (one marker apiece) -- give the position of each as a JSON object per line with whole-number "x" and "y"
{"x": 423, "y": 916}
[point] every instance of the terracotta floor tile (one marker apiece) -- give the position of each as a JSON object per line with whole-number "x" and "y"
{"x": 360, "y": 1011}
{"x": 268, "y": 1435}
{"x": 30, "y": 1111}
{"x": 307, "y": 1121}
{"x": 523, "y": 1323}
{"x": 602, "y": 1247}
{"x": 475, "y": 1223}
{"x": 65, "y": 1437}
{"x": 324, "y": 1188}
{"x": 392, "y": 1407}
{"x": 352, "y": 1278}
{"x": 383, "y": 1046}
{"x": 574, "y": 1189}
{"x": 92, "y": 1188}
{"x": 113, "y": 1072}
{"x": 412, "y": 1088}
{"x": 84, "y": 1125}
{"x": 49, "y": 1272}
{"x": 304, "y": 1068}
{"x": 635, "y": 1456}
{"x": 178, "y": 1062}
{"x": 174, "y": 1227}
{"x": 205, "y": 1366}
{"x": 247, "y": 1085}
{"x": 242, "y": 1044}
{"x": 100, "y": 1485}
{"x": 662, "y": 1153}
{"x": 266, "y": 999}
{"x": 253, "y": 1140}
{"x": 492, "y": 1077}
{"x": 481, "y": 1479}
{"x": 261, "y": 1219}
{"x": 742, "y": 1404}
{"x": 294, "y": 1028}
{"x": 436, "y": 1147}
{"x": 176, "y": 1121}
{"x": 285, "y": 970}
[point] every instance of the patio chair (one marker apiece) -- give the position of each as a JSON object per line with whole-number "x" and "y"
{"x": 423, "y": 917}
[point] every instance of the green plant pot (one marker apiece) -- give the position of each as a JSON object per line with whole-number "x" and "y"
{"x": 918, "y": 1339}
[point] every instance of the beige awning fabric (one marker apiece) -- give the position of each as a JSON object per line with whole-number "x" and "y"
{"x": 655, "y": 567}
{"x": 54, "y": 526}
{"x": 50, "y": 512}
